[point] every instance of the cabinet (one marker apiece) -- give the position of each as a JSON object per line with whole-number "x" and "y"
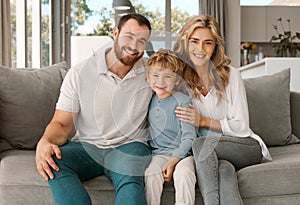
{"x": 257, "y": 21}
{"x": 254, "y": 21}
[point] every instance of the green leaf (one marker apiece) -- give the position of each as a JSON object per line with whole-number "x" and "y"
{"x": 273, "y": 38}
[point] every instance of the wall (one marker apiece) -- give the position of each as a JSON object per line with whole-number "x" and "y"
{"x": 257, "y": 25}
{"x": 233, "y": 32}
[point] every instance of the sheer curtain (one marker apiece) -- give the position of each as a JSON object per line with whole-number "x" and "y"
{"x": 217, "y": 9}
{"x": 5, "y": 33}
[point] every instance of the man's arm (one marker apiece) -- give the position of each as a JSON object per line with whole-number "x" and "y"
{"x": 55, "y": 135}
{"x": 60, "y": 127}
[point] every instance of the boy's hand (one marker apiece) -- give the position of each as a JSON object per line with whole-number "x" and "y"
{"x": 168, "y": 169}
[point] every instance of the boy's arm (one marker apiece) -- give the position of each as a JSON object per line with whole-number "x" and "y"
{"x": 188, "y": 134}
{"x": 168, "y": 168}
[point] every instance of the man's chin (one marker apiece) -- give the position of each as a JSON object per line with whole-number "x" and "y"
{"x": 129, "y": 61}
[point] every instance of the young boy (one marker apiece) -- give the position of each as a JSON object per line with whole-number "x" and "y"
{"x": 171, "y": 139}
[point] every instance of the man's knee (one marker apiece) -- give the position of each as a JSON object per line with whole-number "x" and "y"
{"x": 126, "y": 181}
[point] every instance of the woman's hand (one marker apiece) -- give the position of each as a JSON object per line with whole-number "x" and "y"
{"x": 188, "y": 114}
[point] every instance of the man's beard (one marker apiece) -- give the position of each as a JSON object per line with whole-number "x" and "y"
{"x": 127, "y": 60}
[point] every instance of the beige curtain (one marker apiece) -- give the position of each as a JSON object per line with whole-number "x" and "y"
{"x": 217, "y": 9}
{"x": 5, "y": 33}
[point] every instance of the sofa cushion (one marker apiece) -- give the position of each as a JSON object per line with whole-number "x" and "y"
{"x": 269, "y": 108}
{"x": 27, "y": 103}
{"x": 273, "y": 179}
{"x": 295, "y": 113}
{"x": 20, "y": 182}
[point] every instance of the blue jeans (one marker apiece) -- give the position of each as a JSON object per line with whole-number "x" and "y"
{"x": 217, "y": 159}
{"x": 124, "y": 165}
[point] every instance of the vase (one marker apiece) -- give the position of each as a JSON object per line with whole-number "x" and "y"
{"x": 284, "y": 53}
{"x": 245, "y": 57}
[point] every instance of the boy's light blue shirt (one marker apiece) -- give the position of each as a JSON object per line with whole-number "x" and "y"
{"x": 169, "y": 135}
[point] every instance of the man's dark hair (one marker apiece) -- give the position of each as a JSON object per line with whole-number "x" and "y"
{"x": 142, "y": 20}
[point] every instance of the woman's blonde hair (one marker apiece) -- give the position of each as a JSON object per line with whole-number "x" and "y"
{"x": 220, "y": 75}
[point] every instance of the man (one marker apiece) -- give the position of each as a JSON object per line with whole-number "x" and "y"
{"x": 105, "y": 99}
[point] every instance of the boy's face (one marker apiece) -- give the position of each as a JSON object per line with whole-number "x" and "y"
{"x": 162, "y": 81}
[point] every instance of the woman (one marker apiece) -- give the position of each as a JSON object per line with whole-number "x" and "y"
{"x": 220, "y": 111}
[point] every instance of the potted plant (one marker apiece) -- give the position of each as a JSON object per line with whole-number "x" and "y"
{"x": 286, "y": 46}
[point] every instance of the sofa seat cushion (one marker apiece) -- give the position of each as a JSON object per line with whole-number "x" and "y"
{"x": 18, "y": 168}
{"x": 273, "y": 179}
{"x": 20, "y": 183}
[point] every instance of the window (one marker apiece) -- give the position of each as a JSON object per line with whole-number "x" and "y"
{"x": 166, "y": 17}
{"x": 39, "y": 28}
{"x": 42, "y": 29}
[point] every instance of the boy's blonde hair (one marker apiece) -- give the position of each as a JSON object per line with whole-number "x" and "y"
{"x": 165, "y": 59}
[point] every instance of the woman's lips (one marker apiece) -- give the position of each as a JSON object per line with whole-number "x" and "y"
{"x": 199, "y": 55}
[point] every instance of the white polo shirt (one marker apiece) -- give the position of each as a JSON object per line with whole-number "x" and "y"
{"x": 111, "y": 111}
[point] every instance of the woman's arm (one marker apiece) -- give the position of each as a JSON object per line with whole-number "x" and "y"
{"x": 236, "y": 121}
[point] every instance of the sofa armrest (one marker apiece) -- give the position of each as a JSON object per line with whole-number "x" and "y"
{"x": 295, "y": 113}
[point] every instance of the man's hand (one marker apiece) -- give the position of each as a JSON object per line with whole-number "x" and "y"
{"x": 168, "y": 168}
{"x": 44, "y": 160}
{"x": 59, "y": 128}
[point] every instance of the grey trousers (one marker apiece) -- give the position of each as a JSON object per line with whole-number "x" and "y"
{"x": 217, "y": 160}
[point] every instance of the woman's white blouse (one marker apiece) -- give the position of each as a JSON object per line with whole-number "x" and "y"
{"x": 231, "y": 111}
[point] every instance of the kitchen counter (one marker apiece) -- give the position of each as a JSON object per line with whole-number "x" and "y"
{"x": 268, "y": 66}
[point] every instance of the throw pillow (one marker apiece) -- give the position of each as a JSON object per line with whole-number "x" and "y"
{"x": 27, "y": 102}
{"x": 269, "y": 108}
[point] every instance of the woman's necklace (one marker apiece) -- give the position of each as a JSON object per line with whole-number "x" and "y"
{"x": 201, "y": 87}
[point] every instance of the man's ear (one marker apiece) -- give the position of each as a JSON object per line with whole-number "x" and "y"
{"x": 177, "y": 82}
{"x": 115, "y": 33}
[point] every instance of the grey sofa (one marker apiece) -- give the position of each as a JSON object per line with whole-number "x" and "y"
{"x": 27, "y": 102}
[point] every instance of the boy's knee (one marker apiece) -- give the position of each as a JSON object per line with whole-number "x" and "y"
{"x": 184, "y": 176}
